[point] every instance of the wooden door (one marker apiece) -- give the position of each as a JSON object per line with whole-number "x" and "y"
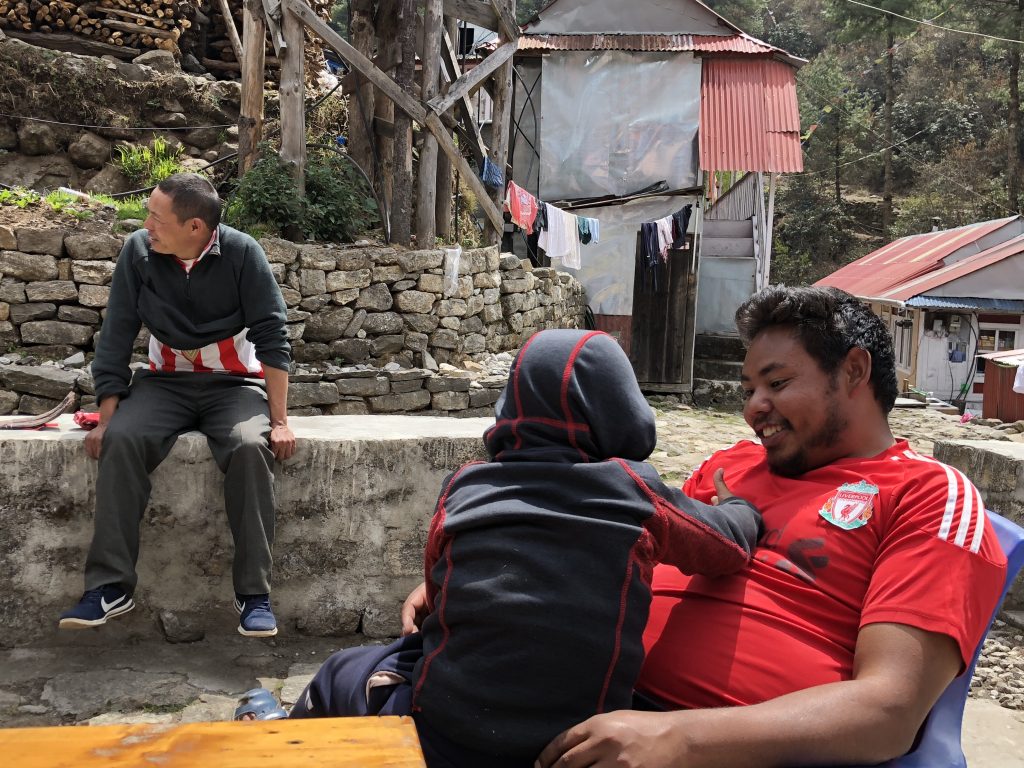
{"x": 663, "y": 323}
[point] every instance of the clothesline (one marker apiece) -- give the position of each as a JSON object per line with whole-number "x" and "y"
{"x": 560, "y": 233}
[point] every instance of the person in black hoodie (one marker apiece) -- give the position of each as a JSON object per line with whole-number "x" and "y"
{"x": 538, "y": 567}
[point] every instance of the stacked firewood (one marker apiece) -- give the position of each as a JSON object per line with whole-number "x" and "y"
{"x": 141, "y": 24}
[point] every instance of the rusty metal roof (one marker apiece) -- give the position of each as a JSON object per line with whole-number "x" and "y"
{"x": 749, "y": 116}
{"x": 880, "y": 272}
{"x": 726, "y": 44}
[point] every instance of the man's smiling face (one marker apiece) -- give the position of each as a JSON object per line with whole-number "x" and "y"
{"x": 792, "y": 405}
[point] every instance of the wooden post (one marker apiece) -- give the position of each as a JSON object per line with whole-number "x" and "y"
{"x": 361, "y": 104}
{"x": 769, "y": 225}
{"x": 443, "y": 193}
{"x": 402, "y": 200}
{"x": 426, "y": 225}
{"x": 502, "y": 114}
{"x": 229, "y": 24}
{"x": 250, "y": 119}
{"x": 384, "y": 107}
{"x": 292, "y": 99}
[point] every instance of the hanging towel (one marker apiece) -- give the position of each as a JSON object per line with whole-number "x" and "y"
{"x": 583, "y": 224}
{"x": 561, "y": 239}
{"x": 595, "y": 231}
{"x": 522, "y": 206}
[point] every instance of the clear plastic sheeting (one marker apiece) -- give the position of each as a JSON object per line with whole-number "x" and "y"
{"x": 615, "y": 122}
{"x": 608, "y": 266}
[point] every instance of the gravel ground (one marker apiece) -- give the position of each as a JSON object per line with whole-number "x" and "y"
{"x": 687, "y": 435}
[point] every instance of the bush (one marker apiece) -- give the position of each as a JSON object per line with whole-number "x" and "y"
{"x": 338, "y": 205}
{"x": 149, "y": 166}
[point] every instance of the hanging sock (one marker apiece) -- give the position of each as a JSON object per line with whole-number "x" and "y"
{"x": 491, "y": 175}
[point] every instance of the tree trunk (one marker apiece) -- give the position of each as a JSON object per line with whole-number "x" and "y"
{"x": 1013, "y": 123}
{"x": 443, "y": 204}
{"x": 384, "y": 109}
{"x": 360, "y": 121}
{"x": 890, "y": 97}
{"x": 426, "y": 229}
{"x": 401, "y": 206}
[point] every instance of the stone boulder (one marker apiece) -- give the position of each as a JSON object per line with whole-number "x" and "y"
{"x": 42, "y": 172}
{"x": 37, "y": 139}
{"x": 91, "y": 246}
{"x": 42, "y": 380}
{"x": 89, "y": 151}
{"x": 161, "y": 61}
{"x": 28, "y": 266}
{"x": 109, "y": 181}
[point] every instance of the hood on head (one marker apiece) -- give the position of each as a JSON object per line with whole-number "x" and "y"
{"x": 571, "y": 396}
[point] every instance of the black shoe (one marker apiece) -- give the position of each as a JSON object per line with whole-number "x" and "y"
{"x": 96, "y": 606}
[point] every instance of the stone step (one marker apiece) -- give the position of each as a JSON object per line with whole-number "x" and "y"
{"x": 724, "y": 228}
{"x": 719, "y": 395}
{"x": 724, "y": 370}
{"x": 709, "y": 346}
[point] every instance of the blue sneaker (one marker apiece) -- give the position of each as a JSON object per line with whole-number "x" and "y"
{"x": 257, "y": 617}
{"x": 96, "y": 606}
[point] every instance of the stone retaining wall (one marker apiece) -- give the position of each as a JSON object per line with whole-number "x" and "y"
{"x": 373, "y": 323}
{"x": 353, "y": 506}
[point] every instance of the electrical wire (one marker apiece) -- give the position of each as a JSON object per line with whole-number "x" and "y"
{"x": 926, "y": 23}
{"x": 114, "y": 127}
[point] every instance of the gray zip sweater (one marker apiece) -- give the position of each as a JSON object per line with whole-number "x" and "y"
{"x": 231, "y": 288}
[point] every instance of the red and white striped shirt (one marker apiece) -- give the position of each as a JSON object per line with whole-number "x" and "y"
{"x": 235, "y": 355}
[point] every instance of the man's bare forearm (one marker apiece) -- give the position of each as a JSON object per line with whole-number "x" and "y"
{"x": 277, "y": 395}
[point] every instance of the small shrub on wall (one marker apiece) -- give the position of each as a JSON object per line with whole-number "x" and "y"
{"x": 338, "y": 205}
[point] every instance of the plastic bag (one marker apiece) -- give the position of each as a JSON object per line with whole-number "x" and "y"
{"x": 452, "y": 256}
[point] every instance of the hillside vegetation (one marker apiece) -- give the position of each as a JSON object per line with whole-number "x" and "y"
{"x": 947, "y": 103}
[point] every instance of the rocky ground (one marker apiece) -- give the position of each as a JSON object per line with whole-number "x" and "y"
{"x": 106, "y": 676}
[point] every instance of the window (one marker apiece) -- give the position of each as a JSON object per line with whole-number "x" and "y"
{"x": 994, "y": 340}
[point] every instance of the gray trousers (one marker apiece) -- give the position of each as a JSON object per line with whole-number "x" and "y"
{"x": 233, "y": 414}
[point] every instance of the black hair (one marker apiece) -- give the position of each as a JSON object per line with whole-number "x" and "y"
{"x": 192, "y": 197}
{"x": 829, "y": 323}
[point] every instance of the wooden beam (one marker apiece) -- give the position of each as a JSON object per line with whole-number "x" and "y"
{"x": 74, "y": 44}
{"x": 426, "y": 224}
{"x": 465, "y": 109}
{"x": 447, "y": 145}
{"x": 357, "y": 61}
{"x": 386, "y": 61}
{"x": 250, "y": 117}
{"x": 507, "y": 25}
{"x": 229, "y": 24}
{"x": 292, "y": 98}
{"x": 473, "y": 11}
{"x": 470, "y": 81}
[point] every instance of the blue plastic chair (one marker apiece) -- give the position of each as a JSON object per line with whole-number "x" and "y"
{"x": 938, "y": 743}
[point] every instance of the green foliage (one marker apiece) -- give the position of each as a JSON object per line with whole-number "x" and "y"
{"x": 19, "y": 197}
{"x": 337, "y": 206}
{"x": 148, "y": 165}
{"x": 72, "y": 205}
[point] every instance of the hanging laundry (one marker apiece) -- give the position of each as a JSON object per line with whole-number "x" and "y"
{"x": 583, "y": 224}
{"x": 648, "y": 253}
{"x": 522, "y": 206}
{"x": 664, "y": 237}
{"x": 491, "y": 175}
{"x": 680, "y": 223}
{"x": 595, "y": 231}
{"x": 561, "y": 239}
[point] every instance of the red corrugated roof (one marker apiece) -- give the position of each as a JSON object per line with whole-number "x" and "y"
{"x": 902, "y": 260}
{"x": 749, "y": 117}
{"x": 948, "y": 274}
{"x": 743, "y": 44}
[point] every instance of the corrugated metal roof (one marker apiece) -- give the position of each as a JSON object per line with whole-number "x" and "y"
{"x": 749, "y": 117}
{"x": 905, "y": 259}
{"x": 966, "y": 302}
{"x": 1008, "y": 357}
{"x": 951, "y": 272}
{"x": 728, "y": 44}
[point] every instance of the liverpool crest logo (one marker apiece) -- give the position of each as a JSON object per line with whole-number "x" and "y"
{"x": 851, "y": 506}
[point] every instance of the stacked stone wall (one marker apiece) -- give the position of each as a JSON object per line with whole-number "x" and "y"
{"x": 373, "y": 328}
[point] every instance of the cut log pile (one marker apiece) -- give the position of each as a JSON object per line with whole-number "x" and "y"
{"x": 191, "y": 26}
{"x": 140, "y": 24}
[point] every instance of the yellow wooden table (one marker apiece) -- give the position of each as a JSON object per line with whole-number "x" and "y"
{"x": 336, "y": 742}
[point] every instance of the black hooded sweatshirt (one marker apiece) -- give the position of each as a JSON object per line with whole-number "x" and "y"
{"x": 538, "y": 562}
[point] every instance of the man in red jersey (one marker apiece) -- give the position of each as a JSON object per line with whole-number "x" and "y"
{"x": 867, "y": 595}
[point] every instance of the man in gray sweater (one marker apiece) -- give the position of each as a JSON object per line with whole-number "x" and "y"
{"x": 218, "y": 363}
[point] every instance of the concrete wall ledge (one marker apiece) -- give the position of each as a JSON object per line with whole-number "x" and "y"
{"x": 353, "y": 505}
